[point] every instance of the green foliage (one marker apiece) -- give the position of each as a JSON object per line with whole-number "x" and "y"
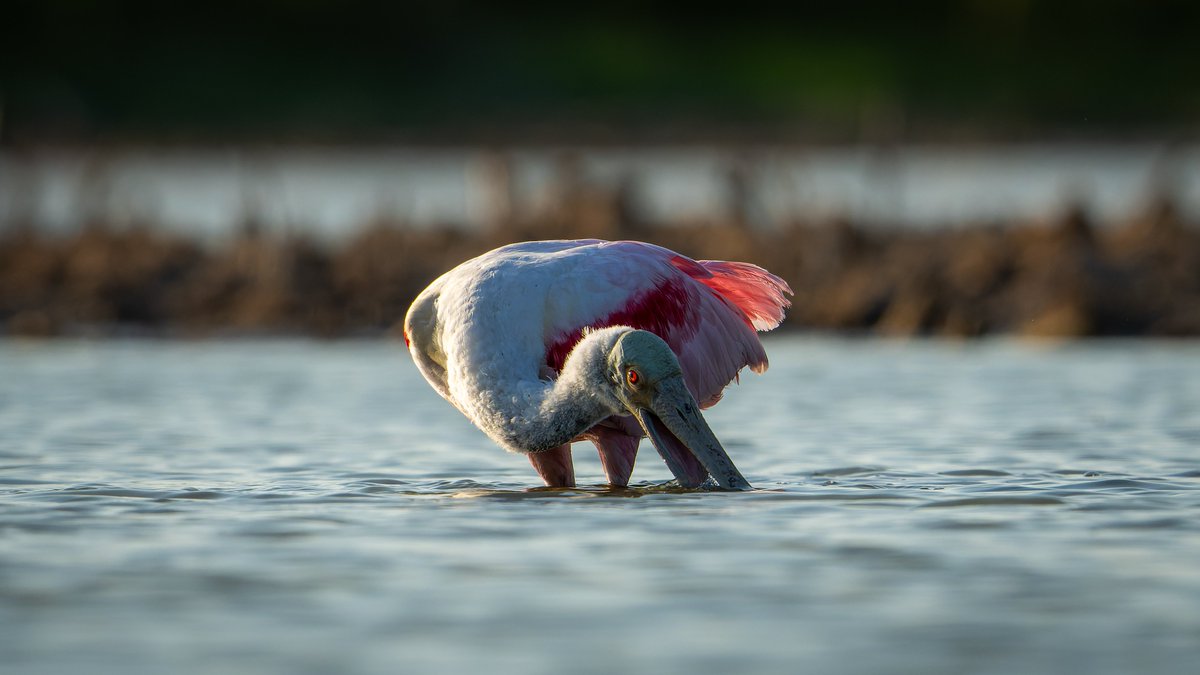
{"x": 353, "y": 69}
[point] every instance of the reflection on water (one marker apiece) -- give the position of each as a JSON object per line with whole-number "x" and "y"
{"x": 331, "y": 192}
{"x": 294, "y": 507}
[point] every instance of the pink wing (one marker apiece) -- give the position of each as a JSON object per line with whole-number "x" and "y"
{"x": 707, "y": 311}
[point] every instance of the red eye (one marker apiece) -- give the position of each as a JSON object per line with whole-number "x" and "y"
{"x": 633, "y": 377}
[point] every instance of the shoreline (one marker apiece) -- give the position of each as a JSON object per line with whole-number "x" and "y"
{"x": 1063, "y": 276}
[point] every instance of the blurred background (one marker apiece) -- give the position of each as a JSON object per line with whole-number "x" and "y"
{"x": 275, "y": 167}
{"x": 305, "y": 167}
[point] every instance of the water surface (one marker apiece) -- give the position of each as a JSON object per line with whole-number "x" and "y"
{"x": 330, "y": 192}
{"x": 301, "y": 507}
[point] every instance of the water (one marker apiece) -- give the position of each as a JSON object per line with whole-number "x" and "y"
{"x": 330, "y": 193}
{"x": 300, "y": 507}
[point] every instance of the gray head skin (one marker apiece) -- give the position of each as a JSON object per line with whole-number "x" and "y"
{"x": 648, "y": 382}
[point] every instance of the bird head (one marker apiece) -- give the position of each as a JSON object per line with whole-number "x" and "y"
{"x": 648, "y": 382}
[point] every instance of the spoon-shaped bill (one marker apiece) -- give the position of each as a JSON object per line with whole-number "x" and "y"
{"x": 678, "y": 431}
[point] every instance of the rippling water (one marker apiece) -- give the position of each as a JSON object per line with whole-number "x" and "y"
{"x": 298, "y": 507}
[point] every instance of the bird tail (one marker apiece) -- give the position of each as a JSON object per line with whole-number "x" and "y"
{"x": 760, "y": 295}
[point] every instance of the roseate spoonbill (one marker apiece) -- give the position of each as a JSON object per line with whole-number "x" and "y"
{"x": 543, "y": 343}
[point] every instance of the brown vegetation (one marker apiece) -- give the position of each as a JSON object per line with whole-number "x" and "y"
{"x": 1065, "y": 277}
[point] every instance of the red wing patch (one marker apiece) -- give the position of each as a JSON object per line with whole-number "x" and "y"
{"x": 662, "y": 310}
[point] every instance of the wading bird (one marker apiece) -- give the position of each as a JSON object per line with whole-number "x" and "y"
{"x": 543, "y": 343}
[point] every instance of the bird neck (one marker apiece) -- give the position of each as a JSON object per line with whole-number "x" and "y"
{"x": 576, "y": 401}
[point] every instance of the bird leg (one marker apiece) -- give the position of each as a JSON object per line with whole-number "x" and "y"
{"x": 555, "y": 466}
{"x": 618, "y": 450}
